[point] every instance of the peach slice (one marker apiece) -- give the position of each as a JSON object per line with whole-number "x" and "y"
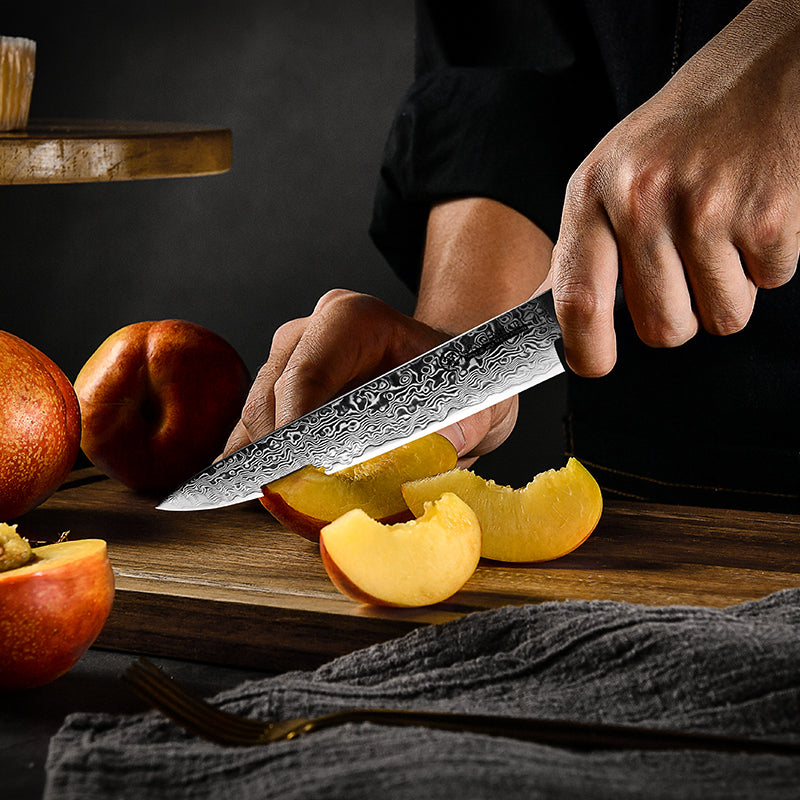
{"x": 544, "y": 520}
{"x": 309, "y": 499}
{"x": 415, "y": 563}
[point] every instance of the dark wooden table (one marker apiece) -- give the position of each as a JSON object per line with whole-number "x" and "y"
{"x": 232, "y": 587}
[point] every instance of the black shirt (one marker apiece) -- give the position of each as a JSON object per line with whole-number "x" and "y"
{"x": 508, "y": 99}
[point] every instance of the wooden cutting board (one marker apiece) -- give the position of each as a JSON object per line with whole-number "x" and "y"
{"x": 231, "y": 586}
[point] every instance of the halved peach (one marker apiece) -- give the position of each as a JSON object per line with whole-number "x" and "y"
{"x": 415, "y": 563}
{"x": 53, "y": 606}
{"x": 309, "y": 499}
{"x": 548, "y": 518}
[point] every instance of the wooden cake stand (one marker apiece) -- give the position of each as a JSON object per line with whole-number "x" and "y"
{"x": 89, "y": 151}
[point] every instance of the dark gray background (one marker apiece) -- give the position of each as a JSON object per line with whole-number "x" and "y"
{"x": 308, "y": 88}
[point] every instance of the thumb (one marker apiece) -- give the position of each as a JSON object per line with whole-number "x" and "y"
{"x": 482, "y": 432}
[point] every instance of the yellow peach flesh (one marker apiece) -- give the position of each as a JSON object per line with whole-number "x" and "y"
{"x": 544, "y": 520}
{"x": 373, "y": 486}
{"x": 415, "y": 563}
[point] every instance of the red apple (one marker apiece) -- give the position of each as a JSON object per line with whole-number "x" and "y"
{"x": 415, "y": 563}
{"x": 548, "y": 518}
{"x": 158, "y": 401}
{"x": 307, "y": 500}
{"x": 40, "y": 426}
{"x": 53, "y": 608}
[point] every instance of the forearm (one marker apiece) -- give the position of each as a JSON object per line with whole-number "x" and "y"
{"x": 481, "y": 258}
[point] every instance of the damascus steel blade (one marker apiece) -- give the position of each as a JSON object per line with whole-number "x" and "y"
{"x": 472, "y": 371}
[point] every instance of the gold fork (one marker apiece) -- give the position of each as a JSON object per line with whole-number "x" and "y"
{"x": 213, "y": 724}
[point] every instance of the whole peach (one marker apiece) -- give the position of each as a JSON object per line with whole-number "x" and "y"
{"x": 158, "y": 401}
{"x": 40, "y": 426}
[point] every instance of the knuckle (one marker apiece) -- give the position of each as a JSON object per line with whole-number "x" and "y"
{"x": 345, "y": 301}
{"x": 287, "y": 332}
{"x": 577, "y": 305}
{"x": 345, "y": 307}
{"x": 769, "y": 225}
{"x": 255, "y": 411}
{"x": 588, "y": 182}
{"x": 775, "y": 274}
{"x": 644, "y": 192}
{"x": 664, "y": 332}
{"x": 597, "y": 366}
{"x": 333, "y": 296}
{"x": 772, "y": 245}
{"x": 707, "y": 214}
{"x": 729, "y": 318}
{"x": 634, "y": 189}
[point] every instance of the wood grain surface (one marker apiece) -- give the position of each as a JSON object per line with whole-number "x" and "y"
{"x": 231, "y": 586}
{"x": 88, "y": 151}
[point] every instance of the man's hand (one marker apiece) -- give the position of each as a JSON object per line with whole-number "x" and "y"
{"x": 481, "y": 259}
{"x": 348, "y": 339}
{"x": 694, "y": 198}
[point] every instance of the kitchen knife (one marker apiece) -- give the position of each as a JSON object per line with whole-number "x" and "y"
{"x": 470, "y": 372}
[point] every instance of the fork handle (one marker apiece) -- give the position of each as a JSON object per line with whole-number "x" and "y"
{"x": 576, "y": 735}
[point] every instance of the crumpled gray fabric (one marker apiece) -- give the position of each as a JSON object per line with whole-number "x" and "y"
{"x": 734, "y": 671}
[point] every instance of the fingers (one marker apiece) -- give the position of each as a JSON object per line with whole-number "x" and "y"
{"x": 689, "y": 254}
{"x": 488, "y": 429}
{"x": 482, "y": 432}
{"x": 657, "y": 295}
{"x": 767, "y": 237}
{"x": 724, "y": 294}
{"x": 258, "y": 414}
{"x": 485, "y": 431}
{"x": 348, "y": 339}
{"x": 694, "y": 196}
{"x": 236, "y": 441}
{"x": 584, "y": 276}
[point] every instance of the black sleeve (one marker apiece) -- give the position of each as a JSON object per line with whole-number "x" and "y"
{"x": 508, "y": 100}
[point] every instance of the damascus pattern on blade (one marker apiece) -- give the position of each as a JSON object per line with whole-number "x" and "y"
{"x": 470, "y": 372}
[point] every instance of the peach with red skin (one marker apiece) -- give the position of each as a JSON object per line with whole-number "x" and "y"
{"x": 40, "y": 426}
{"x": 53, "y": 609}
{"x": 305, "y": 525}
{"x": 159, "y": 399}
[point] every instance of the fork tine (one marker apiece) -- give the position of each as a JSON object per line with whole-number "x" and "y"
{"x": 170, "y": 692}
{"x": 174, "y": 690}
{"x": 191, "y": 719}
{"x": 191, "y": 712}
{"x": 211, "y": 730}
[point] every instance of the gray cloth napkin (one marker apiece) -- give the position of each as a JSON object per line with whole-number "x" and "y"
{"x": 733, "y": 671}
